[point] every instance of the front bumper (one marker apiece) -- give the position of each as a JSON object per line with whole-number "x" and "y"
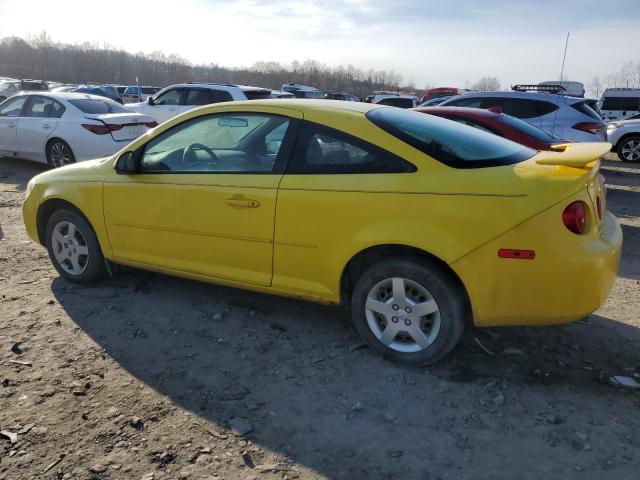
{"x": 570, "y": 277}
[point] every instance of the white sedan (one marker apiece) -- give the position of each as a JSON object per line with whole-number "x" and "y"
{"x": 61, "y": 128}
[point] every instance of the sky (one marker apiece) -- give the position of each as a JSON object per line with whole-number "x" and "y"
{"x": 440, "y": 43}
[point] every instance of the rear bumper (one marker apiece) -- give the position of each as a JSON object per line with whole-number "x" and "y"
{"x": 570, "y": 277}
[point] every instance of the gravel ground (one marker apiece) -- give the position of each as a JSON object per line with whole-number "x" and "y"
{"x": 148, "y": 376}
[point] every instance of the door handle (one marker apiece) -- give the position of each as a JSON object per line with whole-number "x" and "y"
{"x": 46, "y": 126}
{"x": 242, "y": 202}
{"x": 11, "y": 125}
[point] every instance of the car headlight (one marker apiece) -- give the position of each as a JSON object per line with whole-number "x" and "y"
{"x": 30, "y": 185}
{"x": 613, "y": 126}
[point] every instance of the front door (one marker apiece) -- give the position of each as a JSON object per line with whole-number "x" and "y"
{"x": 166, "y": 105}
{"x": 10, "y": 116}
{"x": 204, "y": 198}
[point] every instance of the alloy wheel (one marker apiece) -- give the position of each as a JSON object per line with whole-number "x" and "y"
{"x": 631, "y": 150}
{"x": 402, "y": 314}
{"x": 70, "y": 248}
{"x": 60, "y": 154}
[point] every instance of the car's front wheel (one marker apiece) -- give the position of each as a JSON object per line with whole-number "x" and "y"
{"x": 59, "y": 153}
{"x": 73, "y": 247}
{"x": 629, "y": 149}
{"x": 410, "y": 310}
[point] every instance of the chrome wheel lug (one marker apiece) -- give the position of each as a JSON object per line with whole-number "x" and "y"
{"x": 394, "y": 319}
{"x": 407, "y": 322}
{"x": 408, "y": 309}
{"x": 396, "y": 306}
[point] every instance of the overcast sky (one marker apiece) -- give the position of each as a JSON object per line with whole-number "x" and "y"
{"x": 436, "y": 42}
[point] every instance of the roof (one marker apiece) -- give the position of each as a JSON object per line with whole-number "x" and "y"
{"x": 307, "y": 104}
{"x": 244, "y": 88}
{"x": 64, "y": 95}
{"x": 462, "y": 111}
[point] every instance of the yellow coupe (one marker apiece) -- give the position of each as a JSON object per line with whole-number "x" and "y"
{"x": 420, "y": 224}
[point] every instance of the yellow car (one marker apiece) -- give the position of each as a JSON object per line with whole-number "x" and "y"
{"x": 420, "y": 224}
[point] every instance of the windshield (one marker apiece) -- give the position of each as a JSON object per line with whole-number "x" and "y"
{"x": 98, "y": 106}
{"x": 451, "y": 143}
{"x": 527, "y": 128}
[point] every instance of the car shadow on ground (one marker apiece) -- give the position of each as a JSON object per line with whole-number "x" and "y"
{"x": 314, "y": 394}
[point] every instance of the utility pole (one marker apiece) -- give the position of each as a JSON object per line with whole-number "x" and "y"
{"x": 564, "y": 57}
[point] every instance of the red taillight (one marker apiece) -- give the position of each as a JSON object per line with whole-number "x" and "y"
{"x": 590, "y": 127}
{"x": 599, "y": 207}
{"x": 574, "y": 217}
{"x": 151, "y": 124}
{"x": 517, "y": 253}
{"x": 102, "y": 129}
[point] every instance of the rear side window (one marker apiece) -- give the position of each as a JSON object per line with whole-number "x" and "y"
{"x": 583, "y": 107}
{"x": 44, "y": 107}
{"x": 221, "y": 96}
{"x": 621, "y": 103}
{"x": 473, "y": 102}
{"x": 323, "y": 150}
{"x": 520, "y": 107}
{"x": 97, "y": 107}
{"x": 198, "y": 97}
{"x": 451, "y": 143}
{"x": 397, "y": 102}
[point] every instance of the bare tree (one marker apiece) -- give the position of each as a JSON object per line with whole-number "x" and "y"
{"x": 596, "y": 87}
{"x": 487, "y": 84}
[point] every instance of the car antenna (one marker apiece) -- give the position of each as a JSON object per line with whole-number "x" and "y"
{"x": 564, "y": 57}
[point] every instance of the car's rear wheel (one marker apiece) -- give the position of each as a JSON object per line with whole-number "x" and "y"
{"x": 73, "y": 247}
{"x": 410, "y": 310}
{"x": 59, "y": 153}
{"x": 629, "y": 149}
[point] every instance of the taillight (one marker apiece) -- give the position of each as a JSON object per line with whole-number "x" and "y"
{"x": 574, "y": 217}
{"x": 590, "y": 127}
{"x": 151, "y": 124}
{"x": 102, "y": 129}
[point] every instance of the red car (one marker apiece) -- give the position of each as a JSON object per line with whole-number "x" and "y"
{"x": 498, "y": 123}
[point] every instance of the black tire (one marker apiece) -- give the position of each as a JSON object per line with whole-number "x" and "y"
{"x": 621, "y": 145}
{"x": 92, "y": 264}
{"x": 59, "y": 153}
{"x": 449, "y": 295}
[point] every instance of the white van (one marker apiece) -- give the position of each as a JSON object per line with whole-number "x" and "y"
{"x": 620, "y": 103}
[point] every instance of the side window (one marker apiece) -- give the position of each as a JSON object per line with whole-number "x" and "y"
{"x": 467, "y": 102}
{"x": 517, "y": 107}
{"x": 45, "y": 108}
{"x": 171, "y": 97}
{"x": 544, "y": 108}
{"x": 324, "y": 150}
{"x": 13, "y": 107}
{"x": 198, "y": 97}
{"x": 221, "y": 96}
{"x": 222, "y": 143}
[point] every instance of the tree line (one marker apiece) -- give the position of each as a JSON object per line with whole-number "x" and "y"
{"x": 40, "y": 57}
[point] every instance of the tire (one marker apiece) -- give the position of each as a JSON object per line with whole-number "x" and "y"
{"x": 73, "y": 247}
{"x": 59, "y": 153}
{"x": 628, "y": 149}
{"x": 425, "y": 287}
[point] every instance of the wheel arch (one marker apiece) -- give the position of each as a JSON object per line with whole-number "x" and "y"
{"x": 359, "y": 262}
{"x": 48, "y": 208}
{"x": 624, "y": 137}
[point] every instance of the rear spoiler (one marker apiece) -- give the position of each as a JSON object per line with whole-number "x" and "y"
{"x": 577, "y": 155}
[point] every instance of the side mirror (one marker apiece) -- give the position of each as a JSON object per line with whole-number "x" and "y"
{"x": 126, "y": 164}
{"x": 150, "y": 101}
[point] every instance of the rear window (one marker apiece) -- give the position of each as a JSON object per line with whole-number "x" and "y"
{"x": 621, "y": 103}
{"x": 527, "y": 128}
{"x": 96, "y": 106}
{"x": 449, "y": 142}
{"x": 132, "y": 91}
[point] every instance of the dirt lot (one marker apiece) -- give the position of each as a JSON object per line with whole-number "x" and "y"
{"x": 142, "y": 375}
